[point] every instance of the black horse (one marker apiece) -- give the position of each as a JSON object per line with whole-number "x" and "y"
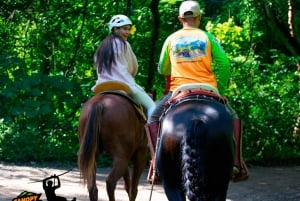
{"x": 195, "y": 154}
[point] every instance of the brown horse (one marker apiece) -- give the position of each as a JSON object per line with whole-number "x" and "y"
{"x": 109, "y": 123}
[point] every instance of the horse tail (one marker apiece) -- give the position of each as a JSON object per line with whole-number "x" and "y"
{"x": 89, "y": 142}
{"x": 193, "y": 160}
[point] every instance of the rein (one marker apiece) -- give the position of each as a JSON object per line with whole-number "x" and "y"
{"x": 154, "y": 169}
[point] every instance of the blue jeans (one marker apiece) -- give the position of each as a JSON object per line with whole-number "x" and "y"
{"x": 159, "y": 109}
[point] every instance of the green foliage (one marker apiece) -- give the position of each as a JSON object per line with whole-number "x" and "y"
{"x": 271, "y": 112}
{"x": 46, "y": 52}
{"x": 265, "y": 95}
{"x": 38, "y": 116}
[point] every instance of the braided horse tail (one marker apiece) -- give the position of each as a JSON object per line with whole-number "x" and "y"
{"x": 207, "y": 161}
{"x": 193, "y": 161}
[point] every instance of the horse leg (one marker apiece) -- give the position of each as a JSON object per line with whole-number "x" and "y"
{"x": 126, "y": 178}
{"x": 92, "y": 187}
{"x": 170, "y": 175}
{"x": 139, "y": 163}
{"x": 120, "y": 168}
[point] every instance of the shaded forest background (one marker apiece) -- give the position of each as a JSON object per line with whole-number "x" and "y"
{"x": 46, "y": 69}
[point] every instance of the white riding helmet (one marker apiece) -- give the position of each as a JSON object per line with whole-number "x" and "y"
{"x": 119, "y": 21}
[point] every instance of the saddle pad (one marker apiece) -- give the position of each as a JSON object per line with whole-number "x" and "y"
{"x": 112, "y": 86}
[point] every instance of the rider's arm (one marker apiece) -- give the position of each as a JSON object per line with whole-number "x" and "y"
{"x": 164, "y": 64}
{"x": 131, "y": 59}
{"x": 221, "y": 64}
{"x": 168, "y": 83}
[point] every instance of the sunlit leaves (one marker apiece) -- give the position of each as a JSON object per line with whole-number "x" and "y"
{"x": 235, "y": 39}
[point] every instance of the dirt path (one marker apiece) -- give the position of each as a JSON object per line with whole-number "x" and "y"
{"x": 265, "y": 184}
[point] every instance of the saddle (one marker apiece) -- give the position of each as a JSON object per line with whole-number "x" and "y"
{"x": 194, "y": 92}
{"x": 121, "y": 89}
{"x": 112, "y": 86}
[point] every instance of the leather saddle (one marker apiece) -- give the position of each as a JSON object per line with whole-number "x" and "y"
{"x": 121, "y": 89}
{"x": 194, "y": 92}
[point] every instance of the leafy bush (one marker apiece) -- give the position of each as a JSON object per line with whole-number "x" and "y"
{"x": 265, "y": 95}
{"x": 39, "y": 116}
{"x": 270, "y": 109}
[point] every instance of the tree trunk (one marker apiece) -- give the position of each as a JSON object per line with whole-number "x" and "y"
{"x": 152, "y": 64}
{"x": 279, "y": 29}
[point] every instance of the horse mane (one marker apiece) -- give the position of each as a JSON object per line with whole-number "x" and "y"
{"x": 193, "y": 142}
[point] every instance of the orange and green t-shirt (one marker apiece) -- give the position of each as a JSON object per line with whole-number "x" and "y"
{"x": 191, "y": 55}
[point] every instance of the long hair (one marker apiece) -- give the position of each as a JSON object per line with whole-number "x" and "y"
{"x": 105, "y": 55}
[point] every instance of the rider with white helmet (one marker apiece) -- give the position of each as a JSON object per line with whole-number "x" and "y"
{"x": 118, "y": 21}
{"x": 115, "y": 60}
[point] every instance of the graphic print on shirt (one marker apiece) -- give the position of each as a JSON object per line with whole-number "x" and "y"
{"x": 188, "y": 48}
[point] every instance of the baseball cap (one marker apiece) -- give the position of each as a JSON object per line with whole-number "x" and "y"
{"x": 189, "y": 9}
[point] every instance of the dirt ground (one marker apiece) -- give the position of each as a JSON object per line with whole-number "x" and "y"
{"x": 264, "y": 184}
